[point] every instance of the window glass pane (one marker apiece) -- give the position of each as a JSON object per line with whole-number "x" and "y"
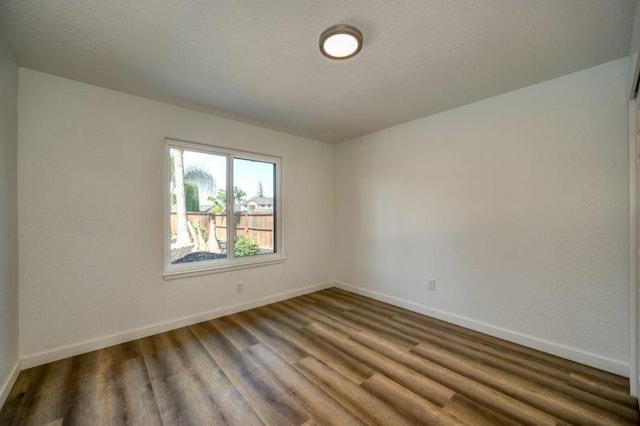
{"x": 254, "y": 207}
{"x": 198, "y": 230}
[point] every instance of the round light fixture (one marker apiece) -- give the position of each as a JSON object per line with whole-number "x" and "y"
{"x": 340, "y": 42}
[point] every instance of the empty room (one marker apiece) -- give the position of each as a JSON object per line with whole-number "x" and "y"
{"x": 297, "y": 212}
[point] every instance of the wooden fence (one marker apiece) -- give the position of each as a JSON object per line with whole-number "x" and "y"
{"x": 258, "y": 226}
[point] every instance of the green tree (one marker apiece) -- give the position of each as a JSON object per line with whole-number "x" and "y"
{"x": 192, "y": 174}
{"x": 245, "y": 246}
{"x": 238, "y": 194}
{"x": 201, "y": 178}
{"x": 180, "y": 178}
{"x": 220, "y": 201}
{"x": 192, "y": 197}
{"x": 260, "y": 192}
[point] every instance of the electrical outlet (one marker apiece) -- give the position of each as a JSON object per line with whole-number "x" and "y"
{"x": 240, "y": 287}
{"x": 431, "y": 284}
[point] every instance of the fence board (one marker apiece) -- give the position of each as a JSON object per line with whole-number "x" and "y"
{"x": 258, "y": 226}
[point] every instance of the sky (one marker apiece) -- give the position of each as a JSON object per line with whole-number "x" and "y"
{"x": 246, "y": 173}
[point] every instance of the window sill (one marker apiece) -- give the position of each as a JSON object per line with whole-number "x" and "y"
{"x": 175, "y": 275}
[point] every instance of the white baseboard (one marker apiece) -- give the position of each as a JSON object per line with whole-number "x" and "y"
{"x": 9, "y": 382}
{"x": 593, "y": 360}
{"x": 39, "y": 358}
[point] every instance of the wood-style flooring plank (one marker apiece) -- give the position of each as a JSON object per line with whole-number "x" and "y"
{"x": 360, "y": 322}
{"x": 250, "y": 320}
{"x": 94, "y": 390}
{"x": 417, "y": 383}
{"x": 474, "y": 413}
{"x": 365, "y": 406}
{"x": 418, "y": 409}
{"x": 613, "y": 380}
{"x": 527, "y": 392}
{"x": 271, "y": 402}
{"x": 330, "y": 357}
{"x": 180, "y": 396}
{"x": 44, "y": 403}
{"x": 139, "y": 400}
{"x": 325, "y": 409}
{"x": 485, "y": 395}
{"x": 493, "y": 357}
{"x": 502, "y": 357}
{"x": 346, "y": 365}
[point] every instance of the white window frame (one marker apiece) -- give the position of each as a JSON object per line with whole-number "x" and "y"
{"x": 231, "y": 262}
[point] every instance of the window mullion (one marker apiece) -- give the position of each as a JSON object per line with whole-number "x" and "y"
{"x": 230, "y": 209}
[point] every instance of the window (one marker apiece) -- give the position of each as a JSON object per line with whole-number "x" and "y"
{"x": 222, "y": 209}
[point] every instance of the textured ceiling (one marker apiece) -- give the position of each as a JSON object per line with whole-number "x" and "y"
{"x": 258, "y": 61}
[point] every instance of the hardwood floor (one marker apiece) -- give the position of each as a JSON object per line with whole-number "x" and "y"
{"x": 331, "y": 357}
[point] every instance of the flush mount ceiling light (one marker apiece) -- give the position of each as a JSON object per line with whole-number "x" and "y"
{"x": 340, "y": 42}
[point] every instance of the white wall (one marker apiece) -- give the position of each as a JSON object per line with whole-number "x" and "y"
{"x": 517, "y": 205}
{"x": 91, "y": 216}
{"x": 8, "y": 221}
